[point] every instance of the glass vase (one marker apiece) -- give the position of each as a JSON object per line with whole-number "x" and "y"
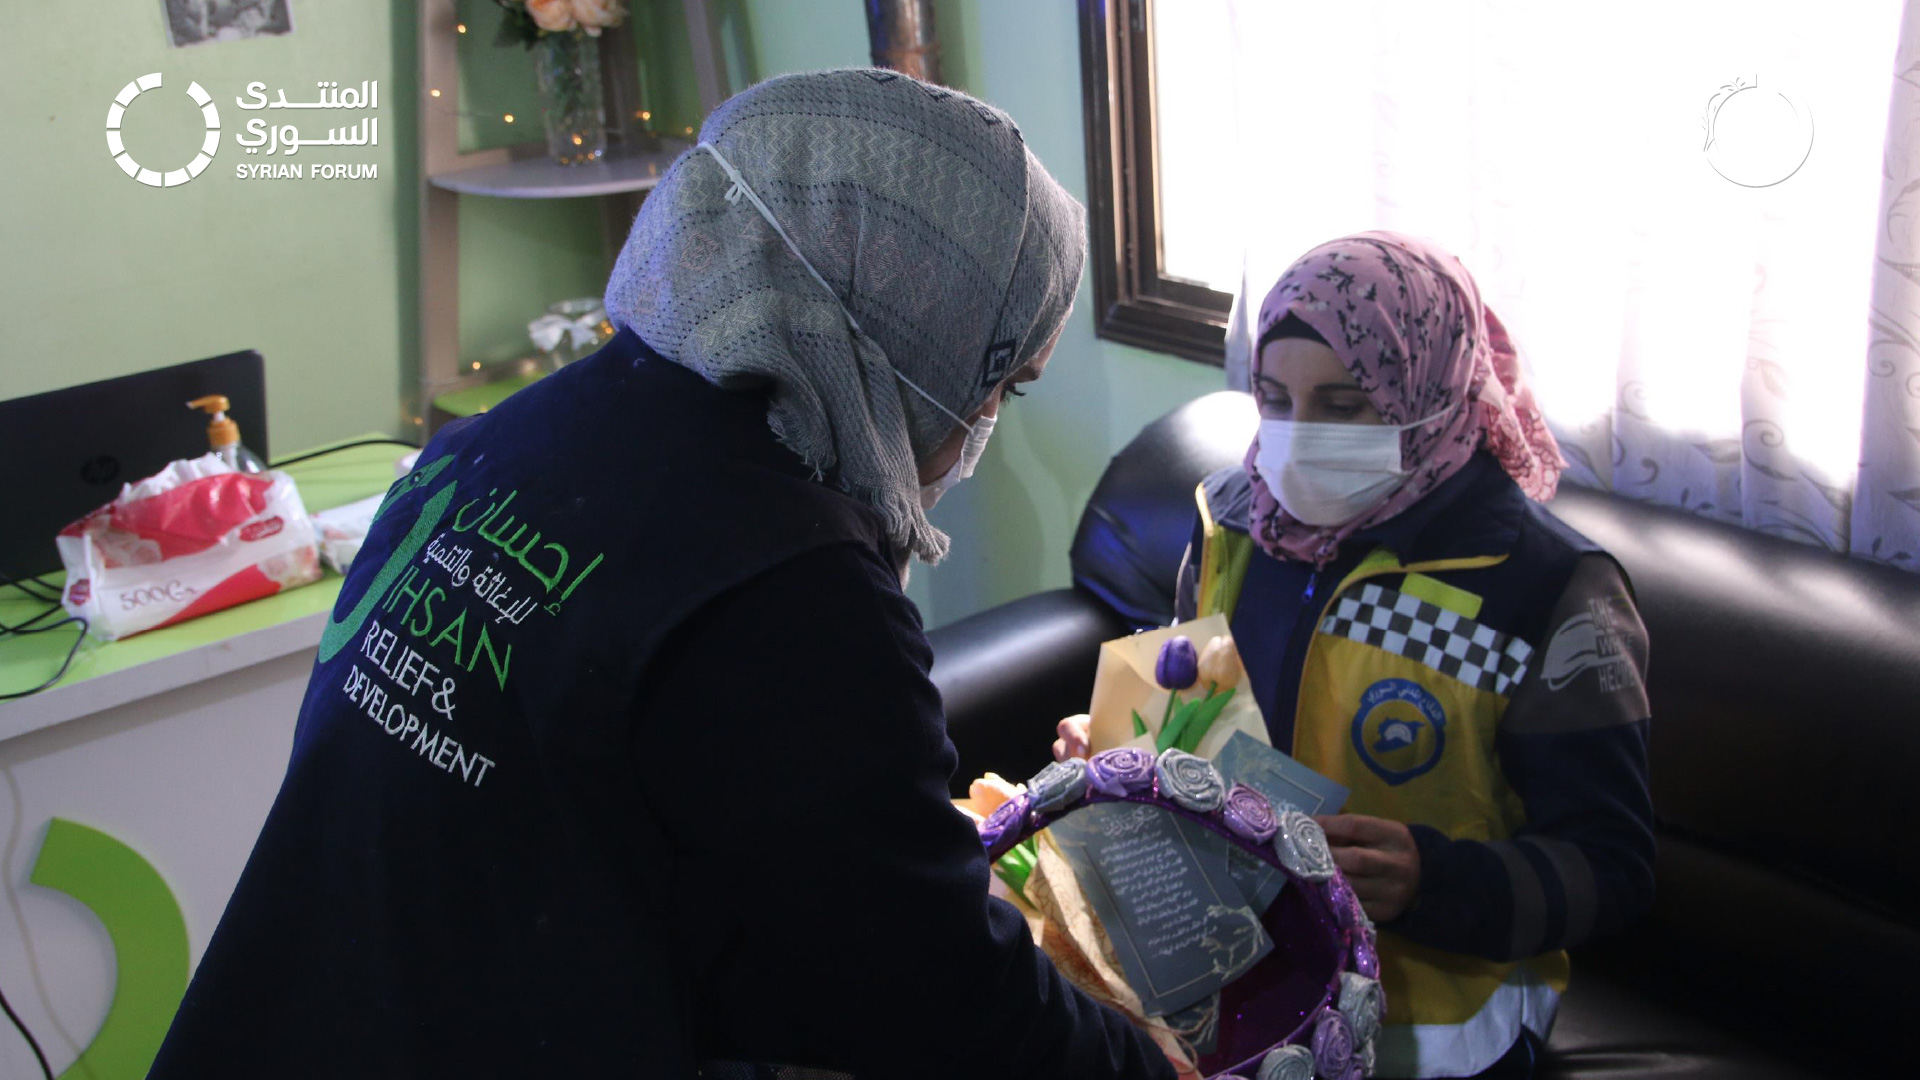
{"x": 567, "y": 66}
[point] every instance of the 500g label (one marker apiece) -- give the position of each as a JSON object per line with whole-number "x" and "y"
{"x": 173, "y": 592}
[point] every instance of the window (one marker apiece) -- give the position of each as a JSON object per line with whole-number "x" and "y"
{"x": 1150, "y": 291}
{"x": 1686, "y": 230}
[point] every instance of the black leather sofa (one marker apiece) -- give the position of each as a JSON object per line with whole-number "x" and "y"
{"x": 1785, "y": 682}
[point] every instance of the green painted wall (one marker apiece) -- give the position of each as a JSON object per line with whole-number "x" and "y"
{"x": 104, "y": 276}
{"x": 1014, "y": 520}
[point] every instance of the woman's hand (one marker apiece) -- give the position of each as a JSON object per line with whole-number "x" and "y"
{"x": 1073, "y": 737}
{"x": 1380, "y": 860}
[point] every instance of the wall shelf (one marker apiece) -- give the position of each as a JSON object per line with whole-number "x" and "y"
{"x": 447, "y": 385}
{"x": 541, "y": 178}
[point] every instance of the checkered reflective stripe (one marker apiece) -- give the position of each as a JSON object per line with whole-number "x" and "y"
{"x": 1443, "y": 640}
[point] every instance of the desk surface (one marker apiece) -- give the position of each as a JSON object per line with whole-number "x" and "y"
{"x": 105, "y": 674}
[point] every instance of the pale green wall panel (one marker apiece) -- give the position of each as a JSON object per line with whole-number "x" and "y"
{"x": 103, "y": 276}
{"x": 516, "y": 257}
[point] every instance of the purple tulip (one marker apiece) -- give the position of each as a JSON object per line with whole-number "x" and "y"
{"x": 1178, "y": 665}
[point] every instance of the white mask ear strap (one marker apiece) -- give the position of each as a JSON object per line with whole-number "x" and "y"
{"x": 740, "y": 188}
{"x": 1430, "y": 419}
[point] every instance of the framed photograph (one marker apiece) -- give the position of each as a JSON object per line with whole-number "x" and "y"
{"x": 190, "y": 22}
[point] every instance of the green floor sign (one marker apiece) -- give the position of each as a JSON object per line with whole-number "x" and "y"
{"x": 149, "y": 944}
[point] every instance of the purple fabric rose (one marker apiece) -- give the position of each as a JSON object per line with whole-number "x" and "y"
{"x": 1124, "y": 770}
{"x": 1289, "y": 1062}
{"x": 1190, "y": 781}
{"x": 1365, "y": 1059}
{"x": 1360, "y": 1003}
{"x": 1005, "y": 820}
{"x": 1302, "y": 847}
{"x": 1178, "y": 665}
{"x": 1332, "y": 1043}
{"x": 1059, "y": 785}
{"x": 1249, "y": 814}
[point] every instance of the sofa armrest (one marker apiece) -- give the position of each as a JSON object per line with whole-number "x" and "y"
{"x": 1008, "y": 674}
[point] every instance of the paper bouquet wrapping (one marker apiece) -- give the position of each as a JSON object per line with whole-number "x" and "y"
{"x": 1179, "y": 877}
{"x": 1196, "y": 695}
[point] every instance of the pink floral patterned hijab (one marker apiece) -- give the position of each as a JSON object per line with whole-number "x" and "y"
{"x": 1406, "y": 319}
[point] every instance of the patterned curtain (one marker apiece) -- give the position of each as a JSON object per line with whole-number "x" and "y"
{"x": 1886, "y": 503}
{"x": 1682, "y": 236}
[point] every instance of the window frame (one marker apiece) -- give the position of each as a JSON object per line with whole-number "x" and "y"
{"x": 1135, "y": 302}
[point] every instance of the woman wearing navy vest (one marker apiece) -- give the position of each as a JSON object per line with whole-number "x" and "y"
{"x": 621, "y": 757}
{"x": 1419, "y": 628}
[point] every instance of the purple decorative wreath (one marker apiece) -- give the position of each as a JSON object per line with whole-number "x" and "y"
{"x": 1314, "y": 1005}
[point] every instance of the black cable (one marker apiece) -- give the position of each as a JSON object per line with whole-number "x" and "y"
{"x": 22, "y": 627}
{"x": 21, "y": 583}
{"x": 72, "y": 650}
{"x": 345, "y": 446}
{"x": 45, "y": 1069}
{"x": 28, "y": 626}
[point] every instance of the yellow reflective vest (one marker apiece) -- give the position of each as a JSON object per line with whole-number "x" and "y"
{"x": 1401, "y": 693}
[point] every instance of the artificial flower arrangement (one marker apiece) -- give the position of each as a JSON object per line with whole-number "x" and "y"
{"x": 1178, "y": 667}
{"x": 526, "y": 21}
{"x": 1307, "y": 1005}
{"x": 566, "y": 68}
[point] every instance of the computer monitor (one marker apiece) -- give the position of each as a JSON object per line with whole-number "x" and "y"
{"x": 66, "y": 452}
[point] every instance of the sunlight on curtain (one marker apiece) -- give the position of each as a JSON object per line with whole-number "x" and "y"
{"x": 1697, "y": 342}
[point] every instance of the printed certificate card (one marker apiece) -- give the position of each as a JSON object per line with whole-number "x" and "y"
{"x": 1180, "y": 924}
{"x": 1284, "y": 781}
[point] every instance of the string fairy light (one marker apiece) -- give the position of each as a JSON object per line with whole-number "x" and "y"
{"x": 645, "y": 116}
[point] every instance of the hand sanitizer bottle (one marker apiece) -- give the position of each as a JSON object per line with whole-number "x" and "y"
{"x": 223, "y": 435}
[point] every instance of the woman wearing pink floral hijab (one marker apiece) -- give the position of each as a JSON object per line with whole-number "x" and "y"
{"x": 1420, "y": 629}
{"x": 1410, "y": 329}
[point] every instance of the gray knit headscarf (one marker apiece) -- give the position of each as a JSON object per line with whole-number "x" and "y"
{"x": 953, "y": 250}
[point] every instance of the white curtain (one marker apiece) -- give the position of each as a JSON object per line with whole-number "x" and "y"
{"x": 1684, "y": 212}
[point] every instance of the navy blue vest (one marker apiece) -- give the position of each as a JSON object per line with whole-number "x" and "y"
{"x": 459, "y": 874}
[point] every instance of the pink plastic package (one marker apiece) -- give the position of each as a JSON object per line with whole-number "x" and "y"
{"x": 193, "y": 538}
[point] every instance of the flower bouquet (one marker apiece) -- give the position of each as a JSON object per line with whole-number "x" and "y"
{"x": 1198, "y": 897}
{"x": 1159, "y": 689}
{"x": 567, "y": 67}
{"x": 1308, "y": 1006}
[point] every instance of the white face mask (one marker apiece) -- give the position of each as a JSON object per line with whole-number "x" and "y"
{"x": 963, "y": 466}
{"x": 1330, "y": 474}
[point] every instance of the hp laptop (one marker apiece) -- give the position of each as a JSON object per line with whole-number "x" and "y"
{"x": 66, "y": 452}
